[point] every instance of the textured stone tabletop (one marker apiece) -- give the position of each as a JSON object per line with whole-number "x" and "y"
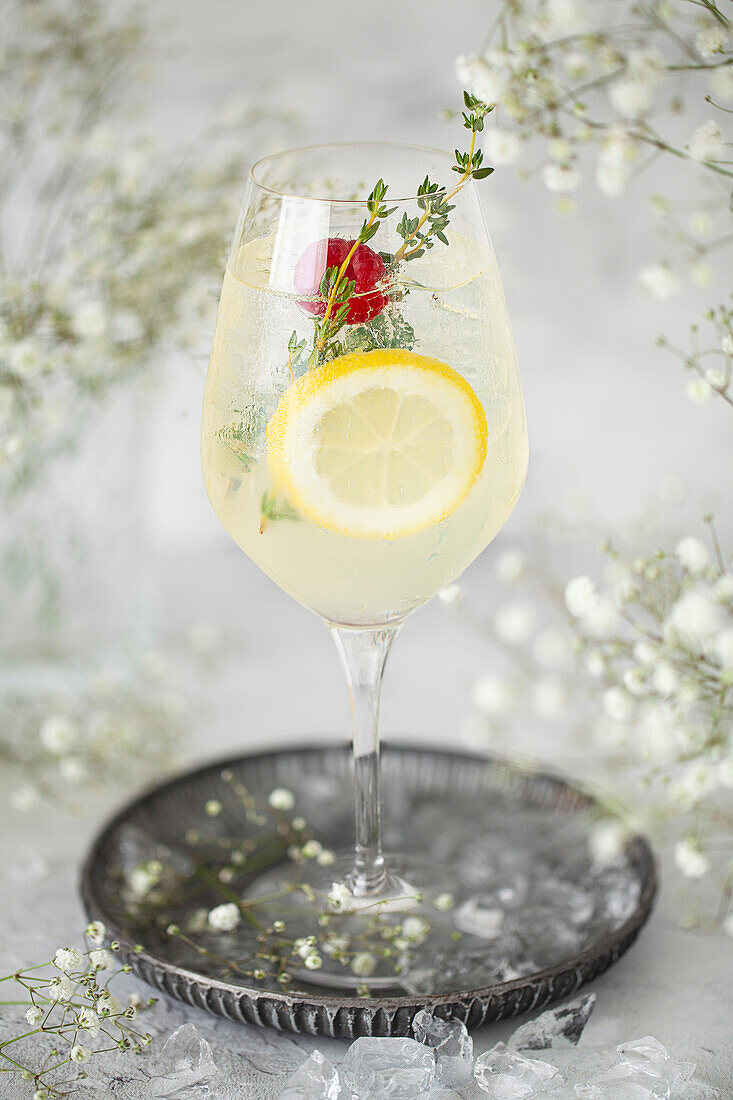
{"x": 383, "y": 70}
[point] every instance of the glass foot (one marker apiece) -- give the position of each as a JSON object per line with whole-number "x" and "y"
{"x": 353, "y": 939}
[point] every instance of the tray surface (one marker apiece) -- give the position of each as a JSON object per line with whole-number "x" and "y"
{"x": 538, "y": 918}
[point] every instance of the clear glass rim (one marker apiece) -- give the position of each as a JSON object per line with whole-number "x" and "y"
{"x": 271, "y": 158}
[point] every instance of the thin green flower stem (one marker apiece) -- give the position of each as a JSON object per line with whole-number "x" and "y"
{"x": 17, "y": 1038}
{"x": 229, "y": 894}
{"x": 402, "y": 250}
{"x": 9, "y": 1059}
{"x": 320, "y": 343}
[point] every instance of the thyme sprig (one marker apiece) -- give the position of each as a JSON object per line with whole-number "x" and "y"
{"x": 336, "y": 288}
{"x": 273, "y": 509}
{"x": 433, "y": 200}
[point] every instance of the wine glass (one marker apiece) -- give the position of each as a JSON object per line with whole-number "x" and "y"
{"x": 363, "y": 435}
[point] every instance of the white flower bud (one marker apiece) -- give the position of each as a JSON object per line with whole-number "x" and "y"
{"x": 617, "y": 705}
{"x": 281, "y": 799}
{"x": 225, "y": 918}
{"x": 363, "y": 964}
{"x": 579, "y": 594}
{"x": 690, "y": 860}
{"x": 693, "y": 555}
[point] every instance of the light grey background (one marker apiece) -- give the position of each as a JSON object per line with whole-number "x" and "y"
{"x": 611, "y": 429}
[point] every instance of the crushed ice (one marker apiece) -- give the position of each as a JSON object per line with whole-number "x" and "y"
{"x": 438, "y": 1064}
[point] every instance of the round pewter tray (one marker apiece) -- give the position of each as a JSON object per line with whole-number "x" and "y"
{"x": 472, "y": 811}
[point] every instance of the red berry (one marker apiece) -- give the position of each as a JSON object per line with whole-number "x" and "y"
{"x": 314, "y": 261}
{"x": 366, "y": 268}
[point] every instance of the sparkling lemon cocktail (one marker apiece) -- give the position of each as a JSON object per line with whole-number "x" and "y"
{"x": 363, "y": 484}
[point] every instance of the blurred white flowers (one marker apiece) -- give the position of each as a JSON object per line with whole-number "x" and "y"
{"x": 645, "y": 659}
{"x": 711, "y": 40}
{"x": 561, "y": 178}
{"x": 502, "y": 147}
{"x": 123, "y": 253}
{"x": 604, "y": 105}
{"x": 224, "y": 918}
{"x": 106, "y": 725}
{"x": 707, "y": 142}
{"x": 659, "y": 281}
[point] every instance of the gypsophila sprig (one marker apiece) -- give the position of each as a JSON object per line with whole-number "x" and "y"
{"x": 66, "y": 744}
{"x": 645, "y": 661}
{"x": 71, "y": 1016}
{"x": 120, "y": 263}
{"x": 602, "y": 90}
{"x": 273, "y": 938}
{"x": 709, "y": 358}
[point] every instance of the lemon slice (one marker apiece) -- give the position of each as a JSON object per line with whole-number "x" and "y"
{"x": 377, "y": 444}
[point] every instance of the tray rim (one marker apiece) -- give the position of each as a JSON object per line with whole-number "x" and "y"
{"x": 613, "y": 944}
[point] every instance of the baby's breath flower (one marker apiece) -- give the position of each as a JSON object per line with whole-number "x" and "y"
{"x": 502, "y": 147}
{"x": 694, "y": 620}
{"x": 724, "y": 648}
{"x": 363, "y": 964}
{"x": 60, "y": 989}
{"x": 58, "y": 733}
{"x": 68, "y": 959}
{"x": 659, "y": 281}
{"x": 698, "y": 391}
{"x": 492, "y": 695}
{"x": 87, "y": 1020}
{"x": 415, "y": 929}
{"x": 515, "y": 621}
{"x": 102, "y": 959}
{"x": 607, "y": 840}
{"x": 450, "y": 594}
{"x": 721, "y": 84}
{"x": 340, "y": 897}
{"x": 444, "y": 902}
{"x": 596, "y": 663}
{"x": 711, "y": 40}
{"x": 690, "y": 860}
{"x": 486, "y": 82}
{"x": 34, "y": 1015}
{"x": 107, "y": 1004}
{"x": 665, "y": 678}
{"x": 617, "y": 705}
{"x": 579, "y": 595}
{"x": 313, "y": 961}
{"x": 511, "y": 567}
{"x": 225, "y": 918}
{"x": 281, "y": 799}
{"x": 693, "y": 555}
{"x": 79, "y": 1053}
{"x": 631, "y": 98}
{"x": 707, "y": 142}
{"x": 561, "y": 178}
{"x": 326, "y": 858}
{"x": 213, "y": 807}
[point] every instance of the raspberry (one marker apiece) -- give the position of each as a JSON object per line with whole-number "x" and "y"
{"x": 365, "y": 267}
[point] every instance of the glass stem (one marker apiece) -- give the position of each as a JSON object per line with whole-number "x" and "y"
{"x": 363, "y": 654}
